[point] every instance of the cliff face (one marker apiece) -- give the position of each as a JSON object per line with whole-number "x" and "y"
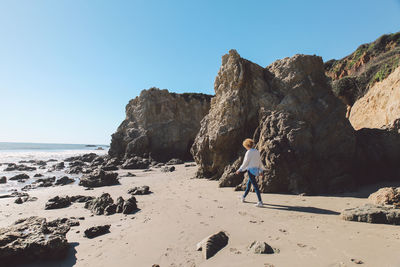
{"x": 289, "y": 109}
{"x": 353, "y": 75}
{"x": 160, "y": 124}
{"x": 380, "y": 106}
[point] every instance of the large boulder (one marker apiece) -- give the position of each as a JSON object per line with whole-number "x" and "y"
{"x": 99, "y": 178}
{"x": 289, "y": 109}
{"x": 160, "y": 124}
{"x": 32, "y": 239}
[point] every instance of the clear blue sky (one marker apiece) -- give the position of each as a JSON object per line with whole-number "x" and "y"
{"x": 69, "y": 67}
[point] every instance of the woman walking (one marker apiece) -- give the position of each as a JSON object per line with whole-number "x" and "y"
{"x": 254, "y": 167}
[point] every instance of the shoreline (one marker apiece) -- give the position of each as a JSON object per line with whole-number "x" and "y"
{"x": 181, "y": 211}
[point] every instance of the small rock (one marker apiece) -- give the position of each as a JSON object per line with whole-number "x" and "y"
{"x": 18, "y": 201}
{"x": 64, "y": 181}
{"x": 95, "y": 231}
{"x": 141, "y": 190}
{"x": 129, "y": 206}
{"x": 19, "y": 177}
{"x": 356, "y": 261}
{"x": 175, "y": 162}
{"x": 212, "y": 244}
{"x": 260, "y": 247}
{"x": 38, "y": 175}
{"x": 168, "y": 169}
{"x": 3, "y": 180}
{"x": 57, "y": 203}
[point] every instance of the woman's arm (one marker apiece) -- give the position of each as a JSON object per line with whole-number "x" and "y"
{"x": 246, "y": 161}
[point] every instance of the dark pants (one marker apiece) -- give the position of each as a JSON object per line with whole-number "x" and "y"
{"x": 252, "y": 180}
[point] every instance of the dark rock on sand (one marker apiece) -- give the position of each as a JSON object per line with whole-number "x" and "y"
{"x": 372, "y": 214}
{"x": 136, "y": 163}
{"x": 18, "y": 201}
{"x": 100, "y": 204}
{"x": 32, "y": 239}
{"x": 38, "y": 175}
{"x": 175, "y": 162}
{"x": 259, "y": 247}
{"x": 71, "y": 222}
{"x": 19, "y": 177}
{"x": 75, "y": 170}
{"x": 23, "y": 199}
{"x": 64, "y": 181}
{"x": 77, "y": 163}
{"x": 99, "y": 178}
{"x": 129, "y": 174}
{"x": 109, "y": 167}
{"x": 139, "y": 190}
{"x": 120, "y": 205}
{"x": 58, "y": 202}
{"x": 160, "y": 123}
{"x": 288, "y": 108}
{"x": 85, "y": 157}
{"x": 58, "y": 167}
{"x": 3, "y": 180}
{"x": 95, "y": 231}
{"x": 21, "y": 167}
{"x": 45, "y": 182}
{"x": 212, "y": 244}
{"x": 168, "y": 169}
{"x": 80, "y": 198}
{"x": 130, "y": 206}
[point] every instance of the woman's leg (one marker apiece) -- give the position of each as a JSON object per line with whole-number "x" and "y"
{"x": 253, "y": 180}
{"x": 247, "y": 188}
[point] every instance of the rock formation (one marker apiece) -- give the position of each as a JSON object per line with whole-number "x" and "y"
{"x": 32, "y": 239}
{"x": 380, "y": 106}
{"x": 353, "y": 75}
{"x": 99, "y": 178}
{"x": 95, "y": 231}
{"x": 288, "y": 108}
{"x": 386, "y": 196}
{"x": 372, "y": 214}
{"x": 212, "y": 244}
{"x": 160, "y": 124}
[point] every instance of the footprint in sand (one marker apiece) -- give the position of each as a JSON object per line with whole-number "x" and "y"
{"x": 301, "y": 245}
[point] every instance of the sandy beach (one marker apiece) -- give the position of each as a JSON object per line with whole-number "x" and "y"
{"x": 181, "y": 211}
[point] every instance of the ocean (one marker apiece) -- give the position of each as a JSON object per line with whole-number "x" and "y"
{"x": 16, "y": 152}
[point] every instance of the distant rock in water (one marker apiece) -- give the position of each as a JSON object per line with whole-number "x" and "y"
{"x": 160, "y": 124}
{"x": 33, "y": 239}
{"x": 299, "y": 126}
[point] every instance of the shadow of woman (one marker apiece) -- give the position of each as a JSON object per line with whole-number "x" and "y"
{"x": 300, "y": 209}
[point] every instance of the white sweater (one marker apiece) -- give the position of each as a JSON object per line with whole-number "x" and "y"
{"x": 251, "y": 160}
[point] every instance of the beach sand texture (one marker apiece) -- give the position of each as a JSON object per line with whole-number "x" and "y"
{"x": 181, "y": 211}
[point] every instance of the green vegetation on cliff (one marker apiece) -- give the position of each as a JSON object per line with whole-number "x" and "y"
{"x": 353, "y": 75}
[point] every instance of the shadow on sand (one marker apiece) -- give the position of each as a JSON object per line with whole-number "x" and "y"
{"x": 68, "y": 261}
{"x": 366, "y": 190}
{"x": 299, "y": 209}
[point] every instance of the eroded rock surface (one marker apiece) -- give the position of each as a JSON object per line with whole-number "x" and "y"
{"x": 32, "y": 239}
{"x": 99, "y": 178}
{"x": 160, "y": 124}
{"x": 371, "y": 213}
{"x": 289, "y": 109}
{"x": 95, "y": 231}
{"x": 212, "y": 244}
{"x": 386, "y": 196}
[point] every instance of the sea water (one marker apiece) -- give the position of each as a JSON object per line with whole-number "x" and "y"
{"x": 16, "y": 152}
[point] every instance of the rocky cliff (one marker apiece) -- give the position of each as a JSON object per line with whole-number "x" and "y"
{"x": 353, "y": 75}
{"x": 304, "y": 139}
{"x": 380, "y": 106}
{"x": 160, "y": 124}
